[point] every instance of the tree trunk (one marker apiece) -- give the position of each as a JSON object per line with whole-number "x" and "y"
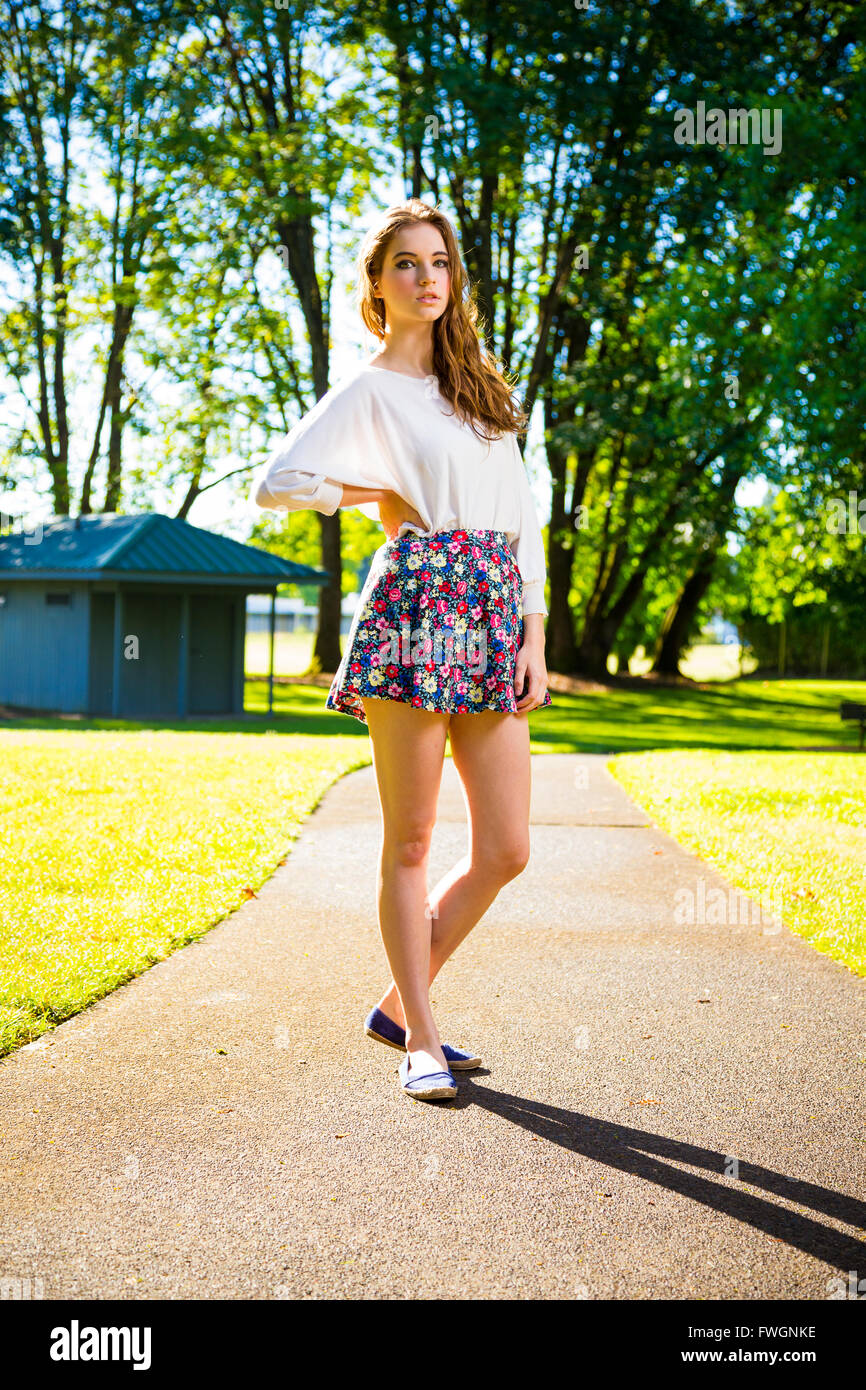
{"x": 297, "y": 236}
{"x": 680, "y": 617}
{"x": 326, "y": 652}
{"x": 561, "y": 648}
{"x": 119, "y": 416}
{"x": 595, "y": 647}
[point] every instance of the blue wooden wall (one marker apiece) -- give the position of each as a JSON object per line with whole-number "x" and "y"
{"x": 44, "y": 647}
{"x": 61, "y": 657}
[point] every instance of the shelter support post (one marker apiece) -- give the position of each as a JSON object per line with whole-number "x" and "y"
{"x": 183, "y": 658}
{"x": 272, "y": 628}
{"x": 117, "y": 653}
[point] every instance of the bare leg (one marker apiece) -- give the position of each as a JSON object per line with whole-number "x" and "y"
{"x": 408, "y": 754}
{"x": 491, "y": 755}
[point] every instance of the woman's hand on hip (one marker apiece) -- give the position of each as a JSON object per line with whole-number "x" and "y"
{"x": 393, "y": 511}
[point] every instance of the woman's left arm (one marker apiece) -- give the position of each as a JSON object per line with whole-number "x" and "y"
{"x": 528, "y": 550}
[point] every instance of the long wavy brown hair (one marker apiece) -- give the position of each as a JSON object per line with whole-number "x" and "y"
{"x": 468, "y": 376}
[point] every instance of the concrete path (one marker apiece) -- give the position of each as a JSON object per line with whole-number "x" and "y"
{"x": 667, "y": 1110}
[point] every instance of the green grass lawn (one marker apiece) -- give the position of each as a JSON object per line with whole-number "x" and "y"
{"x": 124, "y": 841}
{"x": 788, "y": 829}
{"x": 120, "y": 847}
{"x": 738, "y": 714}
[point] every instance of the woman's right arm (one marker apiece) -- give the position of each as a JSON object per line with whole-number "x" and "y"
{"x": 357, "y": 496}
{"x": 331, "y": 458}
{"x": 303, "y": 491}
{"x": 338, "y": 435}
{"x": 393, "y": 509}
{"x": 323, "y": 494}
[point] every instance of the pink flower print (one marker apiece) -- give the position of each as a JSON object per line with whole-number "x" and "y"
{"x": 441, "y": 605}
{"x": 462, "y": 687}
{"x": 393, "y": 595}
{"x": 462, "y": 587}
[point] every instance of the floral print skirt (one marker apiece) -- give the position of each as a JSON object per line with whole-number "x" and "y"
{"x": 438, "y": 625}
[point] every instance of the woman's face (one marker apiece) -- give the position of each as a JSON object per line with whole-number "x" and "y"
{"x": 415, "y": 280}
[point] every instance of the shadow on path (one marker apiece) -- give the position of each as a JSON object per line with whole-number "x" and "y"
{"x": 631, "y": 1151}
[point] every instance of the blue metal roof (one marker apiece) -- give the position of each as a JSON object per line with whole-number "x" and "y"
{"x": 143, "y": 546}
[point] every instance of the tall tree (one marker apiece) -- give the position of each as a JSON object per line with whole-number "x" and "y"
{"x": 282, "y": 155}
{"x": 43, "y": 57}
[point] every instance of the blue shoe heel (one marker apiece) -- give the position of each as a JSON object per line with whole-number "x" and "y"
{"x": 379, "y": 1026}
{"x": 430, "y": 1085}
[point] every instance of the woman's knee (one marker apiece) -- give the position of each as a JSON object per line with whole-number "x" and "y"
{"x": 409, "y": 847}
{"x": 505, "y": 859}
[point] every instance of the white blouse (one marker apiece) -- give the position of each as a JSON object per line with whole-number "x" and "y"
{"x": 381, "y": 428}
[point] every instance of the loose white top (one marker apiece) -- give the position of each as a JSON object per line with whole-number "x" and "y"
{"x": 381, "y": 428}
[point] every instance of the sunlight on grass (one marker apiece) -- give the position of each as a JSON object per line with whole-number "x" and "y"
{"x": 742, "y": 714}
{"x": 121, "y": 847}
{"x": 789, "y": 829}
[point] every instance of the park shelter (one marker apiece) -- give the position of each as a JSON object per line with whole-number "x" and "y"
{"x": 130, "y": 616}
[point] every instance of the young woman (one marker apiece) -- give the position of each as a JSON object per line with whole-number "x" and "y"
{"x": 448, "y": 635}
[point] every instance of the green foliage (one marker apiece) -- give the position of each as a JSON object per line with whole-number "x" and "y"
{"x": 296, "y": 536}
{"x": 183, "y": 192}
{"x": 796, "y": 585}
